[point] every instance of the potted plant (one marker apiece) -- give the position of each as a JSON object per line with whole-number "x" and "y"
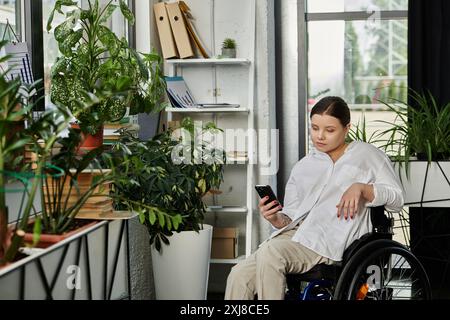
{"x": 41, "y": 134}
{"x": 418, "y": 140}
{"x": 229, "y": 48}
{"x": 68, "y": 183}
{"x": 9, "y": 144}
{"x": 94, "y": 62}
{"x": 165, "y": 183}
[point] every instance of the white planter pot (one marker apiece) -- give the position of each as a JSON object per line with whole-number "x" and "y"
{"x": 181, "y": 271}
{"x": 433, "y": 185}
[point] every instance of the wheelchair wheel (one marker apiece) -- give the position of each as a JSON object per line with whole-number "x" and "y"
{"x": 390, "y": 273}
{"x": 346, "y": 276}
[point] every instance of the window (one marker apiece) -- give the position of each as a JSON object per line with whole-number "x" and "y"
{"x": 117, "y": 23}
{"x": 355, "y": 5}
{"x": 357, "y": 49}
{"x": 10, "y": 12}
{"x": 360, "y": 56}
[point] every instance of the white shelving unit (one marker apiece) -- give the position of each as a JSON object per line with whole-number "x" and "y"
{"x": 246, "y": 110}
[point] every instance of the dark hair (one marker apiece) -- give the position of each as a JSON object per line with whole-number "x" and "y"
{"x": 333, "y": 106}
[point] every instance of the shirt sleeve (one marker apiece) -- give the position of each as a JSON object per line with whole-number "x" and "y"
{"x": 387, "y": 188}
{"x": 292, "y": 200}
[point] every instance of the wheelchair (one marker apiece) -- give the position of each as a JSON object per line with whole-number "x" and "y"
{"x": 374, "y": 267}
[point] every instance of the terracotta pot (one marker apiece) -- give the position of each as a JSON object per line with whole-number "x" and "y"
{"x": 46, "y": 240}
{"x": 89, "y": 142}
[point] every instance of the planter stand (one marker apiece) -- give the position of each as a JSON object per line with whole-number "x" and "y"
{"x": 428, "y": 198}
{"x": 91, "y": 265}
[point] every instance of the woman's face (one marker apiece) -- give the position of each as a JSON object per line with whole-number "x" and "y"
{"x": 327, "y": 132}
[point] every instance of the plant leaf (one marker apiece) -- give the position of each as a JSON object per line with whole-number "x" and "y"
{"x": 127, "y": 12}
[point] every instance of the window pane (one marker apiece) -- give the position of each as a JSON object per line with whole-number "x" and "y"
{"x": 9, "y": 11}
{"x": 117, "y": 23}
{"x": 363, "y": 62}
{"x": 318, "y": 6}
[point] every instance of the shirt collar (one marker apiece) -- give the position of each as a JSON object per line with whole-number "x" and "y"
{"x": 322, "y": 155}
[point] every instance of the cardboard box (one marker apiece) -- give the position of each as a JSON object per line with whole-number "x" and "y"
{"x": 224, "y": 243}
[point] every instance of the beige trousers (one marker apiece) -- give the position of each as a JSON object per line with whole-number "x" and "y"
{"x": 264, "y": 272}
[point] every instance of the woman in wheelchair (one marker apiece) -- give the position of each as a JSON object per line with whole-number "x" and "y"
{"x": 327, "y": 208}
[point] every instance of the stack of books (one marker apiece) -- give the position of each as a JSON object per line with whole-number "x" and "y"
{"x": 111, "y": 131}
{"x": 96, "y": 205}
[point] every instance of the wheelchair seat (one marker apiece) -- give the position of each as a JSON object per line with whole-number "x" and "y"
{"x": 320, "y": 271}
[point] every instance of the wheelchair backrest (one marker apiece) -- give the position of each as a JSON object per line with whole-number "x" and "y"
{"x": 380, "y": 222}
{"x": 382, "y": 229}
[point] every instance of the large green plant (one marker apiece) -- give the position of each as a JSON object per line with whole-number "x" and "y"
{"x": 160, "y": 182}
{"x": 94, "y": 61}
{"x": 16, "y": 102}
{"x": 421, "y": 128}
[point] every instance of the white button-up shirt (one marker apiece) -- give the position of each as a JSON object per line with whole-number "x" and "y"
{"x": 316, "y": 186}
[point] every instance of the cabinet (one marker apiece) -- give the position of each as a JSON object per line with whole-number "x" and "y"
{"x": 218, "y": 80}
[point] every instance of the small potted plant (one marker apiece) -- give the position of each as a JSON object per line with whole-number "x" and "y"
{"x": 98, "y": 76}
{"x": 229, "y": 48}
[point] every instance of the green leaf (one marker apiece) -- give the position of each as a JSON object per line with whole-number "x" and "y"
{"x": 158, "y": 244}
{"x": 109, "y": 40}
{"x": 16, "y": 145}
{"x": 169, "y": 223}
{"x": 70, "y": 42}
{"x": 127, "y": 12}
{"x": 57, "y": 8}
{"x": 176, "y": 221}
{"x": 108, "y": 12}
{"x": 37, "y": 229}
{"x": 152, "y": 217}
{"x": 161, "y": 220}
{"x": 142, "y": 216}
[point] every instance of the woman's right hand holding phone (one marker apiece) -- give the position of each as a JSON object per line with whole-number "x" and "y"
{"x": 271, "y": 211}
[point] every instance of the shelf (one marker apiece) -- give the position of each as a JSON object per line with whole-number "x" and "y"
{"x": 207, "y": 110}
{"x": 213, "y": 61}
{"x": 238, "y": 160}
{"x": 228, "y": 261}
{"x": 228, "y": 209}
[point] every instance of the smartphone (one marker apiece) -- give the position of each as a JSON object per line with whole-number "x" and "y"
{"x": 266, "y": 191}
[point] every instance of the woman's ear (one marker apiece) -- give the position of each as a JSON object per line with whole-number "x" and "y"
{"x": 347, "y": 128}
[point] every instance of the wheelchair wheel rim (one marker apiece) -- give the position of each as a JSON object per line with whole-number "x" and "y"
{"x": 391, "y": 273}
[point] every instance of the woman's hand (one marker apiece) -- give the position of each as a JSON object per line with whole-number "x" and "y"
{"x": 349, "y": 204}
{"x": 270, "y": 212}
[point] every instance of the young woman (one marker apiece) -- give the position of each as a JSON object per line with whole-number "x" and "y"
{"x": 326, "y": 206}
